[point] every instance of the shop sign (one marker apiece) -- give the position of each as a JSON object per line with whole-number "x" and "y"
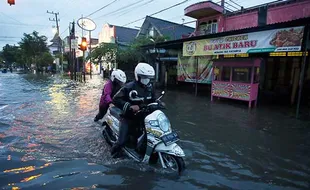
{"x": 277, "y": 40}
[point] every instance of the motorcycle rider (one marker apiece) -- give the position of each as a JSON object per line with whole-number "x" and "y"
{"x": 125, "y": 101}
{"x": 113, "y": 85}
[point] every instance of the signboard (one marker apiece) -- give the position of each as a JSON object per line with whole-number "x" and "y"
{"x": 86, "y": 24}
{"x": 74, "y": 43}
{"x": 285, "y": 39}
{"x": 187, "y": 69}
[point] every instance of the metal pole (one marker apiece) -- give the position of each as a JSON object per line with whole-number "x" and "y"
{"x": 73, "y": 48}
{"x": 75, "y": 65}
{"x": 62, "y": 60}
{"x": 84, "y": 72}
{"x": 70, "y": 52}
{"x": 90, "y": 53}
{"x": 302, "y": 76}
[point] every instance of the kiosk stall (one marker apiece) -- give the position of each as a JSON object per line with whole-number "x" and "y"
{"x": 236, "y": 79}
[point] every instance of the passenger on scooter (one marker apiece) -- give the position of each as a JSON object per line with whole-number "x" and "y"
{"x": 130, "y": 105}
{"x": 113, "y": 85}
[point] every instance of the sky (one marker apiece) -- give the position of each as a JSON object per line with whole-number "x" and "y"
{"x": 29, "y": 15}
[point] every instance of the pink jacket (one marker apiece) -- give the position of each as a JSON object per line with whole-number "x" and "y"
{"x": 106, "y": 98}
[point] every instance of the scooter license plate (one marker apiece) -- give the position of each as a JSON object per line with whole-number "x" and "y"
{"x": 170, "y": 138}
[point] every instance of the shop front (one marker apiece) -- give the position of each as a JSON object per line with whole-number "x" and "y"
{"x": 231, "y": 64}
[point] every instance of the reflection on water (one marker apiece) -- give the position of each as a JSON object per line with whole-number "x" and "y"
{"x": 48, "y": 140}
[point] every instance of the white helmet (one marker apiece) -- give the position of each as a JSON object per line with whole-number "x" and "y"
{"x": 144, "y": 72}
{"x": 119, "y": 75}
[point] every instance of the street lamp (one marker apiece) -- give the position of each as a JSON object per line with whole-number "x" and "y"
{"x": 156, "y": 63}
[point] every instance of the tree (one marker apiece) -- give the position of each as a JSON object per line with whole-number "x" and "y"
{"x": 131, "y": 54}
{"x": 9, "y": 54}
{"x": 34, "y": 47}
{"x": 1, "y": 60}
{"x": 45, "y": 59}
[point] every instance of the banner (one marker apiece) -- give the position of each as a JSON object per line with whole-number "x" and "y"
{"x": 187, "y": 69}
{"x": 285, "y": 39}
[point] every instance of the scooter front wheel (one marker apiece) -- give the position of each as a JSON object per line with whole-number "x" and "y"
{"x": 174, "y": 163}
{"x": 107, "y": 139}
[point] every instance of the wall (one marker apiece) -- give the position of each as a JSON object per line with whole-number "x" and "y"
{"x": 288, "y": 12}
{"x": 237, "y": 22}
{"x": 107, "y": 34}
{"x": 277, "y": 14}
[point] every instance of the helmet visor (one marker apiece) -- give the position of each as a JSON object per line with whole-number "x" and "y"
{"x": 146, "y": 76}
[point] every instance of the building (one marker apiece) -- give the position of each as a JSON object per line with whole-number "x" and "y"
{"x": 122, "y": 36}
{"x": 154, "y": 27}
{"x": 213, "y": 18}
{"x": 117, "y": 34}
{"x": 55, "y": 46}
{"x": 275, "y": 33}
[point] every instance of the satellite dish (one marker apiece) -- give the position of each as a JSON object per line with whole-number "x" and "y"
{"x": 86, "y": 24}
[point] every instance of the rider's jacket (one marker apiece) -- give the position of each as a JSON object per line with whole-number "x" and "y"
{"x": 123, "y": 98}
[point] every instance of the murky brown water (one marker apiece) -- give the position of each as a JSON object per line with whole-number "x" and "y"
{"x": 48, "y": 140}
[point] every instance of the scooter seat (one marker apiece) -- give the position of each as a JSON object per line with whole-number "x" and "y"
{"x": 116, "y": 112}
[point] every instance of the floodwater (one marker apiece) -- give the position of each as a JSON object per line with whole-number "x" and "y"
{"x": 48, "y": 140}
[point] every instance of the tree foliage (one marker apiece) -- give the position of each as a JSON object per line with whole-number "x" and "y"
{"x": 9, "y": 53}
{"x": 32, "y": 49}
{"x": 124, "y": 54}
{"x": 35, "y": 47}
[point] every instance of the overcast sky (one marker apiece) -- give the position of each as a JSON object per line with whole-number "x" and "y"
{"x": 28, "y": 15}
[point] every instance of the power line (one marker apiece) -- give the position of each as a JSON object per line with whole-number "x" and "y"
{"x": 9, "y": 37}
{"x": 101, "y": 8}
{"x": 128, "y": 11}
{"x": 120, "y": 9}
{"x": 11, "y": 18}
{"x": 64, "y": 31}
{"x": 231, "y": 5}
{"x": 133, "y": 8}
{"x": 235, "y": 3}
{"x": 26, "y": 25}
{"x": 175, "y": 5}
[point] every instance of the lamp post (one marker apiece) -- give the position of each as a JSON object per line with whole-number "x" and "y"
{"x": 156, "y": 56}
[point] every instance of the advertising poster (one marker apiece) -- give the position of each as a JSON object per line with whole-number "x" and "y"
{"x": 187, "y": 69}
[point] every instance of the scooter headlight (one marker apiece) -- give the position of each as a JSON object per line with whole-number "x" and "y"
{"x": 153, "y": 123}
{"x": 164, "y": 123}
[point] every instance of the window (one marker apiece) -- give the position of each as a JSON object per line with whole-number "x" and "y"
{"x": 216, "y": 73}
{"x": 214, "y": 27}
{"x": 208, "y": 28}
{"x": 152, "y": 32}
{"x": 256, "y": 75}
{"x": 225, "y": 74}
{"x": 241, "y": 74}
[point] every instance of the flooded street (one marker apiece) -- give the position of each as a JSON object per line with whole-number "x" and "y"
{"x": 48, "y": 140}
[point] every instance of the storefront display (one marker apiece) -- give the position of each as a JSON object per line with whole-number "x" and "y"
{"x": 236, "y": 79}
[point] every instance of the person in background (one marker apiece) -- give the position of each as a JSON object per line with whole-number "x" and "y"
{"x": 112, "y": 86}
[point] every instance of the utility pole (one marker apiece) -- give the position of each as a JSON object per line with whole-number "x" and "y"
{"x": 72, "y": 50}
{"x": 90, "y": 53}
{"x": 58, "y": 33}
